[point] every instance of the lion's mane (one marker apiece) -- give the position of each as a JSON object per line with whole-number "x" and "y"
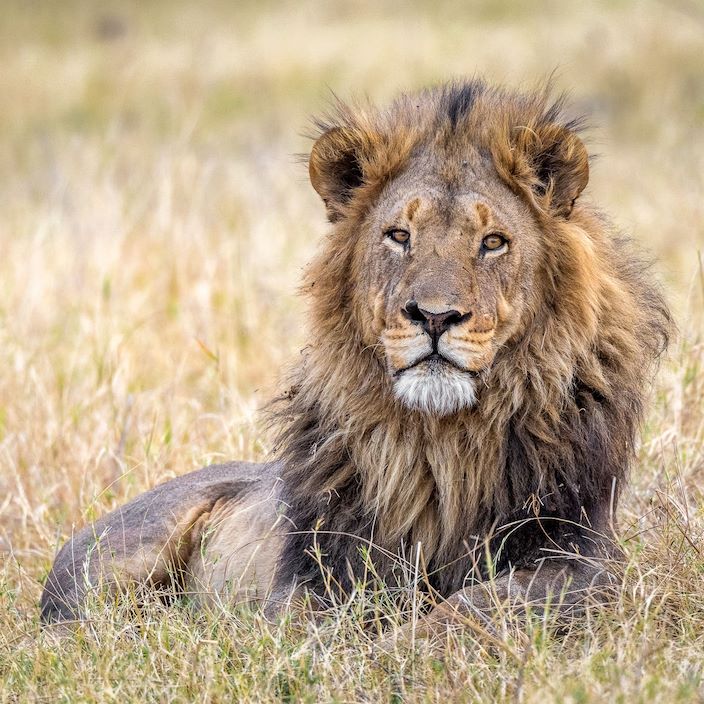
{"x": 546, "y": 450}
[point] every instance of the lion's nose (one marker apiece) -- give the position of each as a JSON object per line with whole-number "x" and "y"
{"x": 435, "y": 324}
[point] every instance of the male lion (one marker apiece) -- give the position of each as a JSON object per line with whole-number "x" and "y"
{"x": 481, "y": 345}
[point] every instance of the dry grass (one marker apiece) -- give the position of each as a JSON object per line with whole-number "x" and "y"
{"x": 153, "y": 224}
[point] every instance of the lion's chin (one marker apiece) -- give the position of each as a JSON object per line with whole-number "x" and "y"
{"x": 436, "y": 389}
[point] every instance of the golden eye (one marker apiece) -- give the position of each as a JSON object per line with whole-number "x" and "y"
{"x": 493, "y": 242}
{"x": 399, "y": 236}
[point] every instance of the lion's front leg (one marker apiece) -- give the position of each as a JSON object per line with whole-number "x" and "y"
{"x": 557, "y": 586}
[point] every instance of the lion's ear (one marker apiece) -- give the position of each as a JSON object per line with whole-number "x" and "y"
{"x": 335, "y": 169}
{"x": 557, "y": 164}
{"x": 561, "y": 166}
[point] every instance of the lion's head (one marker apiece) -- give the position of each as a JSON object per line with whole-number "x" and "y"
{"x": 481, "y": 337}
{"x": 448, "y": 226}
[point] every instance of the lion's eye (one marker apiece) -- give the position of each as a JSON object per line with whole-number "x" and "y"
{"x": 399, "y": 236}
{"x": 493, "y": 242}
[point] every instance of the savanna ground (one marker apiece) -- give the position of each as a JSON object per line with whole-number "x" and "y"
{"x": 153, "y": 225}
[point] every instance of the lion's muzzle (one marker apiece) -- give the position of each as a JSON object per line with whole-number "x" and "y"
{"x": 434, "y": 355}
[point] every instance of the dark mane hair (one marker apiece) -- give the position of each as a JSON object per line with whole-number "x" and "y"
{"x": 545, "y": 454}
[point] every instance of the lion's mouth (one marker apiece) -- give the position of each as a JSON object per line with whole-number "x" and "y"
{"x": 435, "y": 359}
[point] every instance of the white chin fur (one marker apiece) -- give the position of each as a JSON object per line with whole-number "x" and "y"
{"x": 438, "y": 390}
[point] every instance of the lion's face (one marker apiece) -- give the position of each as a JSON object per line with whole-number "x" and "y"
{"x": 440, "y": 230}
{"x": 444, "y": 276}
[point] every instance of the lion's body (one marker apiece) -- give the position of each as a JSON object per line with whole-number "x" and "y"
{"x": 212, "y": 533}
{"x": 507, "y": 431}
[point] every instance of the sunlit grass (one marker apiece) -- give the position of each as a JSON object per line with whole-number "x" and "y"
{"x": 153, "y": 225}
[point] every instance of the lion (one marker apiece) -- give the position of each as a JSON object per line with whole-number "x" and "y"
{"x": 480, "y": 350}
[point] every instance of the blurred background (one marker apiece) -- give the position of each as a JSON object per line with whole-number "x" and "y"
{"x": 154, "y": 218}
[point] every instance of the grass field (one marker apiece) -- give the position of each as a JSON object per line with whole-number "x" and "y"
{"x": 153, "y": 225}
